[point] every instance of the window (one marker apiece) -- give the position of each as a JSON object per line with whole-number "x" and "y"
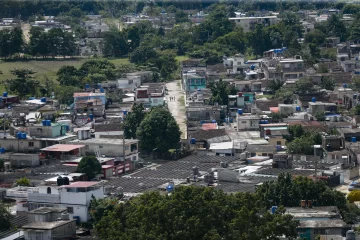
{"x": 39, "y": 129}
{"x": 278, "y": 142}
{"x": 31, "y": 144}
{"x": 48, "y": 190}
{"x": 131, "y": 81}
{"x": 100, "y": 146}
{"x": 246, "y": 98}
{"x": 287, "y": 65}
{"x": 70, "y": 209}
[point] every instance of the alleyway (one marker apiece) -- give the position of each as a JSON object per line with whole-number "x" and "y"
{"x": 177, "y": 107}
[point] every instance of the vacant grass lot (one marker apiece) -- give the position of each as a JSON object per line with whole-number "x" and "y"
{"x": 47, "y": 67}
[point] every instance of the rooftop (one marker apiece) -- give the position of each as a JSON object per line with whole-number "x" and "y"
{"x": 81, "y": 184}
{"x": 104, "y": 141}
{"x": 62, "y": 148}
{"x": 48, "y": 210}
{"x": 338, "y": 223}
{"x": 46, "y": 225}
{"x": 88, "y": 94}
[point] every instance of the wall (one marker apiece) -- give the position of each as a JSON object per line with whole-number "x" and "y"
{"x": 20, "y": 145}
{"x": 354, "y": 172}
{"x": 273, "y": 140}
{"x": 109, "y": 150}
{"x": 112, "y": 133}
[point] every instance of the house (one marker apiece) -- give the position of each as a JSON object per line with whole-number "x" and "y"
{"x": 144, "y": 76}
{"x": 310, "y": 229}
{"x": 267, "y": 129}
{"x": 243, "y": 86}
{"x": 293, "y": 68}
{"x": 129, "y": 83}
{"x": 204, "y": 138}
{"x": 265, "y": 104}
{"x": 109, "y": 147}
{"x": 247, "y": 122}
{"x": 47, "y": 130}
{"x": 349, "y": 66}
{"x": 6, "y": 100}
{"x": 75, "y": 197}
{"x": 316, "y": 107}
{"x": 22, "y": 160}
{"x": 235, "y": 102}
{"x": 61, "y": 151}
{"x": 276, "y": 138}
{"x": 261, "y": 151}
{"x": 191, "y": 82}
{"x": 249, "y": 23}
{"x": 198, "y": 17}
{"x": 277, "y": 67}
{"x": 93, "y": 101}
{"x": 235, "y": 64}
{"x": 203, "y": 113}
{"x": 110, "y": 130}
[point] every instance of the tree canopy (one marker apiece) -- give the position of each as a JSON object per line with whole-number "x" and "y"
{"x": 23, "y": 83}
{"x": 191, "y": 213}
{"x": 158, "y": 131}
{"x": 133, "y": 120}
{"x": 90, "y": 166}
{"x": 5, "y": 217}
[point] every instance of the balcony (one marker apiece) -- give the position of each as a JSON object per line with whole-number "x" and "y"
{"x": 20, "y": 192}
{"x": 44, "y": 198}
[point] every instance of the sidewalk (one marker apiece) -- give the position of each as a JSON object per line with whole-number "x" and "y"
{"x": 177, "y": 108}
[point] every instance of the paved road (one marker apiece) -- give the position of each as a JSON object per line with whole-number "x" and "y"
{"x": 177, "y": 108}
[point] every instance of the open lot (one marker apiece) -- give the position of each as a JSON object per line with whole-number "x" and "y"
{"x": 47, "y": 67}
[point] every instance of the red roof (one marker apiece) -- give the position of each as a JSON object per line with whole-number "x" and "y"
{"x": 81, "y": 184}
{"x": 62, "y": 147}
{"x": 208, "y": 126}
{"x": 274, "y": 109}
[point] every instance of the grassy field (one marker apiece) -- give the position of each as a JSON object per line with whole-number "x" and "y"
{"x": 47, "y": 67}
{"x": 181, "y": 58}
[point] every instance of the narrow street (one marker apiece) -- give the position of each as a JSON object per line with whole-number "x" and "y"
{"x": 177, "y": 107}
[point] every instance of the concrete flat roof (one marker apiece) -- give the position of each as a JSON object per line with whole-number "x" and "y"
{"x": 62, "y": 148}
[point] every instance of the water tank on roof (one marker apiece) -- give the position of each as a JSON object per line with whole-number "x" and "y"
{"x": 213, "y": 121}
{"x": 252, "y": 67}
{"x": 124, "y": 112}
{"x": 5, "y": 94}
{"x": 65, "y": 216}
{"x": 278, "y": 148}
{"x": 23, "y": 135}
{"x": 199, "y": 90}
{"x": 87, "y": 86}
{"x": 240, "y": 94}
{"x": 298, "y": 108}
{"x": 223, "y": 164}
{"x": 67, "y": 127}
{"x": 240, "y": 111}
{"x": 43, "y": 99}
{"x": 48, "y": 122}
{"x": 353, "y": 139}
{"x": 31, "y": 98}
{"x": 91, "y": 116}
{"x": 102, "y": 90}
{"x": 354, "y": 96}
{"x": 60, "y": 181}
{"x": 19, "y": 135}
{"x": 192, "y": 141}
{"x": 44, "y": 122}
{"x": 345, "y": 85}
{"x": 266, "y": 121}
{"x": 2, "y": 150}
{"x": 273, "y": 209}
{"x": 66, "y": 181}
{"x": 170, "y": 188}
{"x": 313, "y": 99}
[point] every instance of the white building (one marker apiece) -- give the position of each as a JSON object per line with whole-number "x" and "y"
{"x": 249, "y": 23}
{"x": 62, "y": 229}
{"x": 248, "y": 122}
{"x": 110, "y": 147}
{"x": 129, "y": 83}
{"x": 75, "y": 197}
{"x": 235, "y": 64}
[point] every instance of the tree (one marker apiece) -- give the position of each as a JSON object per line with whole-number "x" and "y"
{"x": 355, "y": 83}
{"x": 216, "y": 214}
{"x": 23, "y": 84}
{"x": 5, "y": 217}
{"x": 159, "y": 131}
{"x": 38, "y": 42}
{"x": 275, "y": 84}
{"x": 65, "y": 94}
{"x": 69, "y": 76}
{"x": 320, "y": 116}
{"x": 327, "y": 83}
{"x": 16, "y": 40}
{"x": 285, "y": 95}
{"x": 354, "y": 196}
{"x": 23, "y": 182}
{"x": 336, "y": 27}
{"x": 304, "y": 85}
{"x": 116, "y": 44}
{"x": 142, "y": 54}
{"x": 315, "y": 36}
{"x": 220, "y": 92}
{"x": 133, "y": 120}
{"x": 89, "y": 165}
{"x": 277, "y": 117}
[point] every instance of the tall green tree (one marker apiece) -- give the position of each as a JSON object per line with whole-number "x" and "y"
{"x": 5, "y": 217}
{"x": 23, "y": 83}
{"x": 327, "y": 83}
{"x": 159, "y": 130}
{"x": 133, "y": 120}
{"x": 116, "y": 43}
{"x": 90, "y": 166}
{"x": 220, "y": 92}
{"x": 215, "y": 214}
{"x": 275, "y": 85}
{"x": 68, "y": 75}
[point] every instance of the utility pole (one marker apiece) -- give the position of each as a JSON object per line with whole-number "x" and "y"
{"x": 123, "y": 138}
